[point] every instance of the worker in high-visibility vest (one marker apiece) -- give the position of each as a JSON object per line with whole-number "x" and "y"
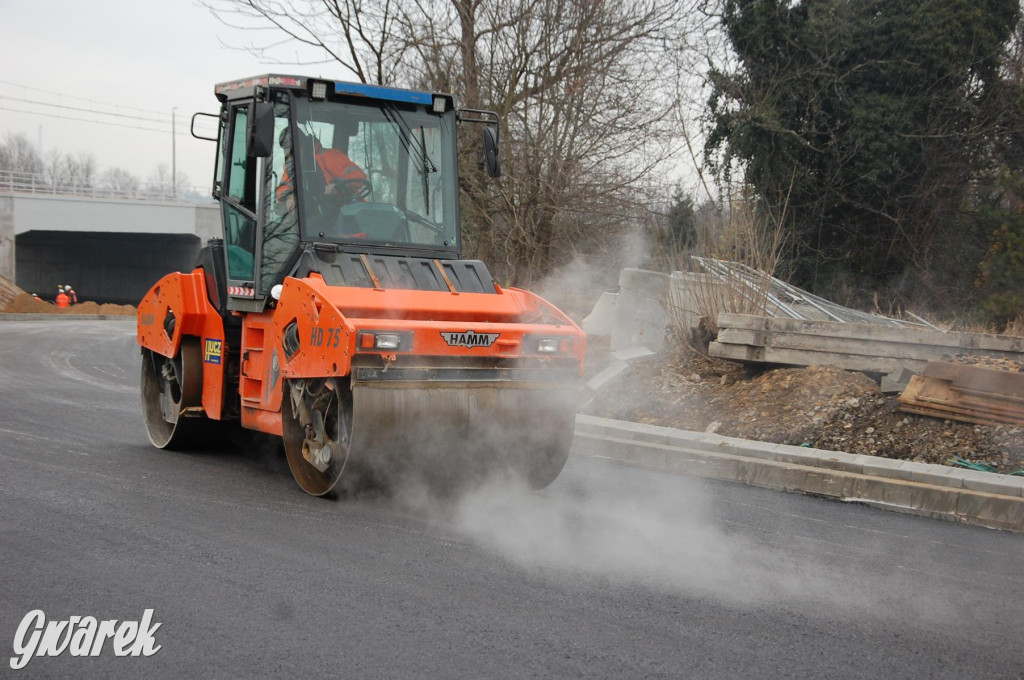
{"x": 62, "y": 298}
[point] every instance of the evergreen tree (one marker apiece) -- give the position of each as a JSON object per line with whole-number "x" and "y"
{"x": 870, "y": 122}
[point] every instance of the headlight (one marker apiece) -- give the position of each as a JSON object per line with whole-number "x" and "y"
{"x": 386, "y": 341}
{"x": 547, "y": 345}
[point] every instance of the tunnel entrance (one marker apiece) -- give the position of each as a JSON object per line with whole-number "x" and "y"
{"x": 103, "y": 267}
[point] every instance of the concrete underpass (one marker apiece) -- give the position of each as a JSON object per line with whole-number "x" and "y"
{"x": 108, "y": 249}
{"x": 102, "y": 267}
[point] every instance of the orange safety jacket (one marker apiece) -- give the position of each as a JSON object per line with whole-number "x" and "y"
{"x": 63, "y": 300}
{"x": 334, "y": 164}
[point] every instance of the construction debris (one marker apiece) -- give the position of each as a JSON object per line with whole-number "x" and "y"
{"x": 786, "y": 326}
{"x": 986, "y": 393}
{"x": 757, "y": 291}
{"x": 896, "y": 381}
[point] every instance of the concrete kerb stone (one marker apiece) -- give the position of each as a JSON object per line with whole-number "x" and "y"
{"x": 1016, "y": 482}
{"x": 884, "y": 467}
{"x": 835, "y": 460}
{"x": 632, "y": 353}
{"x": 610, "y": 373}
{"x": 938, "y": 475}
{"x": 701, "y": 441}
{"x": 991, "y": 510}
{"x": 898, "y": 495}
{"x": 714, "y": 443}
{"x": 920, "y": 489}
{"x": 1004, "y": 485}
{"x": 592, "y": 424}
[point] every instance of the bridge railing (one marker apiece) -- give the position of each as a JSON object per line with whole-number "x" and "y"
{"x": 34, "y": 183}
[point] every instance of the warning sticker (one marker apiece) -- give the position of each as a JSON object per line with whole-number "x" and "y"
{"x": 213, "y": 350}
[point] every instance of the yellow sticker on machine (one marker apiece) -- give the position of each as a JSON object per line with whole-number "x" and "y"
{"x": 213, "y": 351}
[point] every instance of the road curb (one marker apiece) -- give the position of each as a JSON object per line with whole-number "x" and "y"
{"x": 937, "y": 491}
{"x": 18, "y": 316}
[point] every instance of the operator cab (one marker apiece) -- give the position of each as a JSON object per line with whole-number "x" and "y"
{"x": 307, "y": 167}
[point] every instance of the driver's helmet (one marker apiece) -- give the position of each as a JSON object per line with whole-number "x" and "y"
{"x": 285, "y": 138}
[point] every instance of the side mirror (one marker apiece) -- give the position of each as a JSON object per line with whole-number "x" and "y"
{"x": 216, "y": 121}
{"x": 491, "y": 159}
{"x": 261, "y": 130}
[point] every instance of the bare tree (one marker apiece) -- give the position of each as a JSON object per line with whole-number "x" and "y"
{"x": 19, "y": 156}
{"x": 360, "y": 35}
{"x": 584, "y": 89}
{"x": 161, "y": 182}
{"x": 578, "y": 85}
{"x": 120, "y": 182}
{"x": 69, "y": 172}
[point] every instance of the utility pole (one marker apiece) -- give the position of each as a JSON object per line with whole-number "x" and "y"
{"x": 174, "y": 156}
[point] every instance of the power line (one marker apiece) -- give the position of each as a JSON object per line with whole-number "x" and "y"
{"x": 165, "y": 121}
{"x": 78, "y": 108}
{"x": 88, "y": 120}
{"x": 91, "y": 101}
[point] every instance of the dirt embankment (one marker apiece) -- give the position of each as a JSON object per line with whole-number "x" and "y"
{"x": 8, "y": 291}
{"x": 28, "y": 304}
{"x": 819, "y": 406}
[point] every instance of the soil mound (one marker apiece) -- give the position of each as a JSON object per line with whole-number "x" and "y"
{"x": 820, "y": 406}
{"x": 28, "y": 304}
{"x": 8, "y": 291}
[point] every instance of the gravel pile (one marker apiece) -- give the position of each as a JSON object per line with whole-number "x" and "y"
{"x": 819, "y": 406}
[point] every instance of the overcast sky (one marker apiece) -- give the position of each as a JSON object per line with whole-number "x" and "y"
{"x": 70, "y": 59}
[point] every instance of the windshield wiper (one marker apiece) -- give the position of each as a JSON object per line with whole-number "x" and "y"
{"x": 416, "y": 217}
{"x": 409, "y": 141}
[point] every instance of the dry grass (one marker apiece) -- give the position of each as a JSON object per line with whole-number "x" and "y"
{"x": 738, "y": 234}
{"x": 1015, "y": 327}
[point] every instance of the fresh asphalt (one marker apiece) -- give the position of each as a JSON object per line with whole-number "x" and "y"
{"x": 610, "y": 572}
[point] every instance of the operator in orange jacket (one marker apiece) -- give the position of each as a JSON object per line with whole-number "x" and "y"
{"x": 62, "y": 298}
{"x": 345, "y": 180}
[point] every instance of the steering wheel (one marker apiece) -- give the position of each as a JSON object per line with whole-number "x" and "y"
{"x": 354, "y": 188}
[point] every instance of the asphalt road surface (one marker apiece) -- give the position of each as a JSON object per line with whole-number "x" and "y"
{"x": 611, "y": 572}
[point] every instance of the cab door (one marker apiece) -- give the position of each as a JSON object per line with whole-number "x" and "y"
{"x": 239, "y": 214}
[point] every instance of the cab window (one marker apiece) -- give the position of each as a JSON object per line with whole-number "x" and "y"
{"x": 239, "y": 205}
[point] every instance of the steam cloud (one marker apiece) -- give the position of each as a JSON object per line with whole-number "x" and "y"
{"x": 664, "y": 534}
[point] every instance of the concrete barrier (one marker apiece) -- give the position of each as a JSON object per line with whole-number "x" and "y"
{"x": 640, "y": 318}
{"x": 601, "y": 320}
